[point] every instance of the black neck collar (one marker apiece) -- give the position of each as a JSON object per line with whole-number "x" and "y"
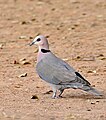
{"x": 44, "y": 50}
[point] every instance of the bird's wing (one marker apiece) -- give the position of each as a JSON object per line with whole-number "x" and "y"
{"x": 56, "y": 71}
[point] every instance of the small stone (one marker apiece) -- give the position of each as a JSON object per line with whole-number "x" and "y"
{"x": 89, "y": 71}
{"x": 34, "y": 97}
{"x": 103, "y": 58}
{"x": 23, "y": 22}
{"x": 83, "y": 13}
{"x": 37, "y": 87}
{"x": 88, "y": 109}
{"x": 93, "y": 85}
{"x": 58, "y": 28}
{"x": 22, "y": 37}
{"x": 16, "y": 62}
{"x": 33, "y": 19}
{"x": 77, "y": 58}
{"x": 30, "y": 37}
{"x": 1, "y": 46}
{"x": 53, "y": 9}
{"x": 73, "y": 28}
{"x": 92, "y": 103}
{"x": 47, "y": 36}
{"x": 22, "y": 59}
{"x": 36, "y": 51}
{"x": 25, "y": 62}
{"x": 23, "y": 75}
{"x": 65, "y": 59}
{"x": 71, "y": 117}
{"x": 76, "y": 25}
{"x": 94, "y": 71}
{"x": 100, "y": 55}
{"x": 18, "y": 85}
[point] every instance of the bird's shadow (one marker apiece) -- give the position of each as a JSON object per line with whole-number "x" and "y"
{"x": 83, "y": 96}
{"x": 79, "y": 96}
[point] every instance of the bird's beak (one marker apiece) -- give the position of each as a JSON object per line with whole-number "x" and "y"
{"x": 32, "y": 43}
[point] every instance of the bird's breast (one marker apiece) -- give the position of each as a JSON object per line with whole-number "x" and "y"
{"x": 40, "y": 57}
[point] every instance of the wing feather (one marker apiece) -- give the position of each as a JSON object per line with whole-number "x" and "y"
{"x": 55, "y": 71}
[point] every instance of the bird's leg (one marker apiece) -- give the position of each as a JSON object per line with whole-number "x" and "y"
{"x": 54, "y": 93}
{"x": 61, "y": 91}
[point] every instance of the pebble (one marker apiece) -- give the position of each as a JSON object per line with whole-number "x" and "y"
{"x": 92, "y": 103}
{"x": 22, "y": 59}
{"x": 34, "y": 97}
{"x": 91, "y": 71}
{"x": 23, "y": 75}
{"x": 23, "y": 23}
{"x": 22, "y": 37}
{"x": 25, "y": 62}
{"x": 1, "y": 46}
{"x": 88, "y": 109}
{"x": 65, "y": 59}
{"x": 16, "y": 62}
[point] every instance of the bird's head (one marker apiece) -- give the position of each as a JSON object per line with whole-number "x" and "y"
{"x": 41, "y": 41}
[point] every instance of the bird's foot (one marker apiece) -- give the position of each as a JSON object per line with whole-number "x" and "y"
{"x": 57, "y": 97}
{"x": 54, "y": 95}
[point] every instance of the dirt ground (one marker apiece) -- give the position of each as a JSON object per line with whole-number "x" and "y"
{"x": 76, "y": 30}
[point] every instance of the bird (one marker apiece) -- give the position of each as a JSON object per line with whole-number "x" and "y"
{"x": 58, "y": 73}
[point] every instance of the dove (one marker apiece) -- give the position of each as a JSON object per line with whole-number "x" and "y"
{"x": 59, "y": 74}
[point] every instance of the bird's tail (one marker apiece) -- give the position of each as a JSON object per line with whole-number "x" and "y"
{"x": 91, "y": 90}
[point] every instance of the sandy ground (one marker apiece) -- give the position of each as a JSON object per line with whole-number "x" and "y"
{"x": 76, "y": 30}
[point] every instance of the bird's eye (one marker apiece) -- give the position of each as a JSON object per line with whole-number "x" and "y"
{"x": 38, "y": 39}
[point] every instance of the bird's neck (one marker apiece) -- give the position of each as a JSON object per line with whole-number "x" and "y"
{"x": 41, "y": 54}
{"x": 45, "y": 50}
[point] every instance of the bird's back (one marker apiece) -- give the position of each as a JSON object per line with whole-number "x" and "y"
{"x": 55, "y": 71}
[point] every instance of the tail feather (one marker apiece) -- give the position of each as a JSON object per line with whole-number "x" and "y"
{"x": 86, "y": 88}
{"x": 92, "y": 90}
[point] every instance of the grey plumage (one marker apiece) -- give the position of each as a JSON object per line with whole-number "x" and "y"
{"x": 59, "y": 74}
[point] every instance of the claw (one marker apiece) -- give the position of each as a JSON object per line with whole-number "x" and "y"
{"x": 61, "y": 91}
